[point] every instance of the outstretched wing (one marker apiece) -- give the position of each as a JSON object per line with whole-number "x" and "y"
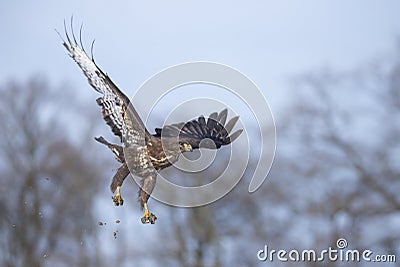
{"x": 117, "y": 111}
{"x": 195, "y": 131}
{"x": 122, "y": 118}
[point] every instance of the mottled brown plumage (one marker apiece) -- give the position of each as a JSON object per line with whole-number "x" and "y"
{"x": 141, "y": 153}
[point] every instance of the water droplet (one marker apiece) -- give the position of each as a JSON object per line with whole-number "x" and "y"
{"x": 13, "y": 225}
{"x": 45, "y": 255}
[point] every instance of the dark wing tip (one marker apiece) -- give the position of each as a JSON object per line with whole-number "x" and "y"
{"x": 100, "y": 139}
{"x": 214, "y": 129}
{"x": 195, "y": 131}
{"x": 222, "y": 116}
{"x": 235, "y": 135}
{"x": 59, "y": 35}
{"x": 231, "y": 123}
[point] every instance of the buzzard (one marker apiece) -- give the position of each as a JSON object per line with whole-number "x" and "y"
{"x": 145, "y": 154}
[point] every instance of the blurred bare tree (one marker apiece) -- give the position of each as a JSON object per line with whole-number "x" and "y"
{"x": 342, "y": 152}
{"x": 47, "y": 180}
{"x": 336, "y": 175}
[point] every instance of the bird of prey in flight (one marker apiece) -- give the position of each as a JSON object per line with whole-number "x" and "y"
{"x": 145, "y": 154}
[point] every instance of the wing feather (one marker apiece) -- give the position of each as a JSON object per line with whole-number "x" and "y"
{"x": 115, "y": 105}
{"x": 222, "y": 116}
{"x": 211, "y": 120}
{"x": 195, "y": 131}
{"x": 231, "y": 123}
{"x": 117, "y": 110}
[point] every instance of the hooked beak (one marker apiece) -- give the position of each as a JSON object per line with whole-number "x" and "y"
{"x": 187, "y": 148}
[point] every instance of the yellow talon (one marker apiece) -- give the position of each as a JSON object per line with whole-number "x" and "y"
{"x": 118, "y": 200}
{"x": 147, "y": 216}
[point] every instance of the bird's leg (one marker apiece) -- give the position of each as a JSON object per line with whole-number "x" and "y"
{"x": 118, "y": 200}
{"x": 148, "y": 217}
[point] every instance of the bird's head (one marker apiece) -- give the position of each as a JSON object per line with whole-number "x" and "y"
{"x": 185, "y": 147}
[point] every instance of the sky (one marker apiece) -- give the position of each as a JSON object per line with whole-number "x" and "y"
{"x": 269, "y": 41}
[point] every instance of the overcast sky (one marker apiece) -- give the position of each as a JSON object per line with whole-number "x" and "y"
{"x": 269, "y": 41}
